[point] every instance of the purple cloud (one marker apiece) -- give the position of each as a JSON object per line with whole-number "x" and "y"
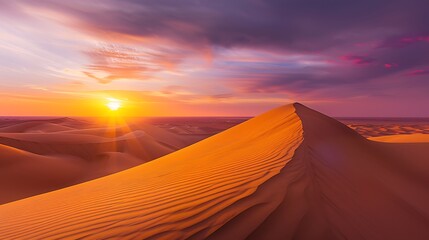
{"x": 403, "y": 41}
{"x": 390, "y": 65}
{"x": 419, "y": 72}
{"x": 358, "y": 60}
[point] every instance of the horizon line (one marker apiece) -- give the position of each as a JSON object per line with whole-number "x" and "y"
{"x": 199, "y": 116}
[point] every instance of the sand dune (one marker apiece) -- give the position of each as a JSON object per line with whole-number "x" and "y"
{"x": 291, "y": 173}
{"x": 403, "y": 138}
{"x": 25, "y": 174}
{"x": 137, "y": 143}
{"x": 192, "y": 188}
{"x": 376, "y": 128}
{"x": 35, "y": 162}
{"x": 40, "y": 125}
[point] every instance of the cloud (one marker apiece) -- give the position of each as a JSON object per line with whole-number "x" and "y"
{"x": 308, "y": 25}
{"x": 400, "y": 42}
{"x": 358, "y": 60}
{"x": 419, "y": 72}
{"x": 121, "y": 62}
{"x": 390, "y": 65}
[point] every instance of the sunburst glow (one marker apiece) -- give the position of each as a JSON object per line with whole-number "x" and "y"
{"x": 113, "y": 104}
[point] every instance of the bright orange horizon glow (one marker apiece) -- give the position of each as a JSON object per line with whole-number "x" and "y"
{"x": 123, "y": 103}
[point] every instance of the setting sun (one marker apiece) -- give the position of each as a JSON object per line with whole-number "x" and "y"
{"x": 113, "y": 104}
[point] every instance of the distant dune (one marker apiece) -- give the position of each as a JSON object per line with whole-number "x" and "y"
{"x": 403, "y": 138}
{"x": 38, "y": 156}
{"x": 291, "y": 173}
{"x": 377, "y": 127}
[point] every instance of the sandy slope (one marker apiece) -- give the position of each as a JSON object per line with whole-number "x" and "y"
{"x": 40, "y": 125}
{"x": 291, "y": 173}
{"x": 33, "y": 162}
{"x": 384, "y": 127}
{"x": 31, "y": 126}
{"x": 191, "y": 192}
{"x": 25, "y": 174}
{"x": 403, "y": 138}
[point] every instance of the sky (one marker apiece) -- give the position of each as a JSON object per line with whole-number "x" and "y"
{"x": 367, "y": 58}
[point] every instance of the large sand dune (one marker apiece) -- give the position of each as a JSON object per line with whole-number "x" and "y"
{"x": 291, "y": 173}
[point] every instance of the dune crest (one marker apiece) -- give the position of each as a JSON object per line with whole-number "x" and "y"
{"x": 291, "y": 173}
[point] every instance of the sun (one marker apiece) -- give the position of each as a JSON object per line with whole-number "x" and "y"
{"x": 113, "y": 104}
